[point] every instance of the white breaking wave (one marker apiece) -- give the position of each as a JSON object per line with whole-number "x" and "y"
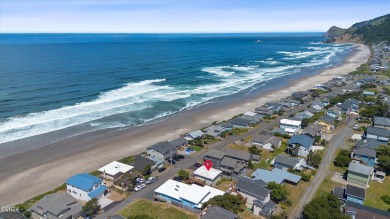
{"x": 218, "y": 71}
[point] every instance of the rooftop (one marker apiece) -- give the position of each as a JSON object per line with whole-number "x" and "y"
{"x": 383, "y": 121}
{"x": 356, "y": 191}
{"x": 216, "y": 212}
{"x": 196, "y": 134}
{"x": 240, "y": 122}
{"x": 209, "y": 174}
{"x": 363, "y": 212}
{"x": 360, "y": 168}
{"x": 275, "y": 175}
{"x": 56, "y": 204}
{"x": 237, "y": 154}
{"x": 97, "y": 191}
{"x": 163, "y": 147}
{"x": 303, "y": 140}
{"x": 290, "y": 122}
{"x": 115, "y": 167}
{"x": 84, "y": 181}
{"x": 192, "y": 193}
{"x": 286, "y": 160}
{"x": 252, "y": 187}
{"x": 365, "y": 152}
{"x": 378, "y": 131}
{"x": 215, "y": 154}
{"x": 338, "y": 192}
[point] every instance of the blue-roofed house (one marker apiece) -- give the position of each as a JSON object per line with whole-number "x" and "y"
{"x": 300, "y": 145}
{"x": 276, "y": 175}
{"x": 84, "y": 186}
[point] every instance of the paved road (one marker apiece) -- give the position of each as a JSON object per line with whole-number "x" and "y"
{"x": 337, "y": 141}
{"x": 148, "y": 191}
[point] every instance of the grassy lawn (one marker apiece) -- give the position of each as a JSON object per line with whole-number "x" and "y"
{"x": 196, "y": 148}
{"x": 224, "y": 184}
{"x": 326, "y": 187}
{"x": 156, "y": 210}
{"x": 238, "y": 147}
{"x": 374, "y": 193}
{"x": 248, "y": 139}
{"x": 295, "y": 193}
{"x": 239, "y": 131}
{"x": 127, "y": 160}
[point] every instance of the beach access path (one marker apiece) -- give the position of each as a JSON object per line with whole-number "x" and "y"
{"x": 342, "y": 133}
{"x": 189, "y": 161}
{"x": 33, "y": 172}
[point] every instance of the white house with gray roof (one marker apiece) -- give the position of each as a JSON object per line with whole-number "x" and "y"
{"x": 380, "y": 134}
{"x": 57, "y": 205}
{"x": 194, "y": 135}
{"x": 161, "y": 150}
{"x": 268, "y": 142}
{"x": 285, "y": 162}
{"x": 215, "y": 130}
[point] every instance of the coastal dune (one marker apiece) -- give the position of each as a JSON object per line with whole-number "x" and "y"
{"x": 27, "y": 174}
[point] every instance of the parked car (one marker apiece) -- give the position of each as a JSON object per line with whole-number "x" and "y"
{"x": 355, "y": 127}
{"x": 171, "y": 161}
{"x": 140, "y": 180}
{"x": 198, "y": 164}
{"x": 176, "y": 158}
{"x": 180, "y": 156}
{"x": 151, "y": 180}
{"x": 139, "y": 187}
{"x": 177, "y": 178}
{"x": 161, "y": 169}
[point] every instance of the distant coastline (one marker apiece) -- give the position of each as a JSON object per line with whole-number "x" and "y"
{"x": 90, "y": 151}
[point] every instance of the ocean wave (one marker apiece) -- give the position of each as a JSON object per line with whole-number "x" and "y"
{"x": 218, "y": 71}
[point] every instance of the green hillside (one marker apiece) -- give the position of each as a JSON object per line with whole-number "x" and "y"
{"x": 375, "y": 30}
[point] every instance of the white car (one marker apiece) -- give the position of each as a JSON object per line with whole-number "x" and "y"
{"x": 140, "y": 180}
{"x": 151, "y": 180}
{"x": 355, "y": 127}
{"x": 139, "y": 187}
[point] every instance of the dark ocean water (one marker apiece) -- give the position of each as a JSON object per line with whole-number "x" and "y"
{"x": 50, "y": 82}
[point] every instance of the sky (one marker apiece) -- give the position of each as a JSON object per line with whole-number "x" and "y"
{"x": 184, "y": 16}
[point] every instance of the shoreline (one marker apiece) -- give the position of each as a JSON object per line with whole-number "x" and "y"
{"x": 27, "y": 174}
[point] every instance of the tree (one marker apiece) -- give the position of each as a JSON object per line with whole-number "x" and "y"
{"x": 146, "y": 170}
{"x": 342, "y": 159}
{"x": 254, "y": 150}
{"x": 323, "y": 208}
{"x": 91, "y": 208}
{"x": 183, "y": 174}
{"x": 250, "y": 165}
{"x": 384, "y": 157}
{"x": 227, "y": 201}
{"x": 314, "y": 159}
{"x": 278, "y": 192}
{"x": 126, "y": 181}
{"x": 305, "y": 122}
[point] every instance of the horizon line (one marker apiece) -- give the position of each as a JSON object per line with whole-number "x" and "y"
{"x": 160, "y": 32}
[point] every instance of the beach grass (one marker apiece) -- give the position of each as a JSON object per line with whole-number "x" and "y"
{"x": 238, "y": 131}
{"x": 294, "y": 193}
{"x": 27, "y": 204}
{"x": 374, "y": 193}
{"x": 238, "y": 147}
{"x": 156, "y": 210}
{"x": 127, "y": 160}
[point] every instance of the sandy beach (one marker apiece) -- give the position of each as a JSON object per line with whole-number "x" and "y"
{"x": 27, "y": 174}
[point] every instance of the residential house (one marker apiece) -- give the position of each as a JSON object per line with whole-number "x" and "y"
{"x": 303, "y": 115}
{"x": 258, "y": 197}
{"x": 369, "y": 93}
{"x": 290, "y": 126}
{"x": 161, "y": 151}
{"x": 194, "y": 135}
{"x": 268, "y": 142}
{"x": 215, "y": 157}
{"x": 301, "y": 95}
{"x": 317, "y": 105}
{"x": 379, "y": 176}
{"x": 240, "y": 123}
{"x": 114, "y": 170}
{"x": 273, "y": 106}
{"x": 264, "y": 111}
{"x": 84, "y": 187}
{"x": 141, "y": 162}
{"x": 237, "y": 154}
{"x": 215, "y": 130}
{"x": 380, "y": 134}
{"x": 355, "y": 194}
{"x": 334, "y": 112}
{"x": 364, "y": 155}
{"x": 326, "y": 122}
{"x": 232, "y": 167}
{"x": 57, "y": 205}
{"x": 227, "y": 125}
{"x": 300, "y": 145}
{"x": 215, "y": 212}
{"x": 369, "y": 143}
{"x": 190, "y": 197}
{"x": 253, "y": 117}
{"x": 359, "y": 174}
{"x": 325, "y": 101}
{"x": 209, "y": 177}
{"x": 179, "y": 142}
{"x": 381, "y": 122}
{"x": 349, "y": 105}
{"x": 285, "y": 162}
{"x": 276, "y": 175}
{"x": 279, "y": 130}
{"x": 312, "y": 130}
{"x": 358, "y": 211}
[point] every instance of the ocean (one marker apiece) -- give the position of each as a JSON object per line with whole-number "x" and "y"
{"x": 52, "y": 82}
